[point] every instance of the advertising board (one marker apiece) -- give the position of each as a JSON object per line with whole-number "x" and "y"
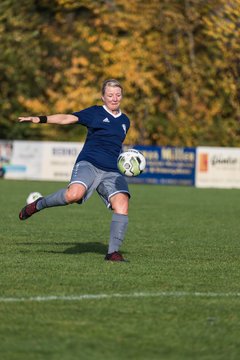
{"x": 42, "y": 160}
{"x": 6, "y": 147}
{"x": 167, "y": 165}
{"x": 26, "y": 161}
{"x": 58, "y": 160}
{"x": 218, "y": 167}
{"x": 215, "y": 167}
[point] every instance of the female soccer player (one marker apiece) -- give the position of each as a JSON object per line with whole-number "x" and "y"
{"x": 96, "y": 165}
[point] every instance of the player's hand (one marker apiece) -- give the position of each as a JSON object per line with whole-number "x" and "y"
{"x": 33, "y": 119}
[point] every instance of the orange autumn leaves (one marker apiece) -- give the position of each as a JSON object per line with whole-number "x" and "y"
{"x": 178, "y": 62}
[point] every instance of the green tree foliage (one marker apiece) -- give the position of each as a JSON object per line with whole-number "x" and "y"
{"x": 178, "y": 62}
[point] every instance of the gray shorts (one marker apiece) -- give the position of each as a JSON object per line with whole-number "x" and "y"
{"x": 105, "y": 183}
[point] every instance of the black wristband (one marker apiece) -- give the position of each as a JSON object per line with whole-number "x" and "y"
{"x": 43, "y": 119}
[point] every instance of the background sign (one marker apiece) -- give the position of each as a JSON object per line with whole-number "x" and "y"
{"x": 5, "y": 155}
{"x": 42, "y": 160}
{"x": 167, "y": 165}
{"x": 58, "y": 160}
{"x": 218, "y": 167}
{"x": 201, "y": 167}
{"x": 26, "y": 161}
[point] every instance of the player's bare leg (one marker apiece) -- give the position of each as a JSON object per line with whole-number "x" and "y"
{"x": 62, "y": 197}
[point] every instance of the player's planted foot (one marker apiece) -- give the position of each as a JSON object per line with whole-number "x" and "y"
{"x": 29, "y": 210}
{"x": 115, "y": 256}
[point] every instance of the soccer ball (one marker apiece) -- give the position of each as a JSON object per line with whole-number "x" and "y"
{"x": 33, "y": 196}
{"x": 131, "y": 162}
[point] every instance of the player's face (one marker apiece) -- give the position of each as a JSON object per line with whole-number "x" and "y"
{"x": 112, "y": 98}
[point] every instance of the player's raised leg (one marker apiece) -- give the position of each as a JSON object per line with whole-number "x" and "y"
{"x": 72, "y": 194}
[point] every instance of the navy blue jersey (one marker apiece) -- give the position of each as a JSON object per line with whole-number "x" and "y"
{"x": 106, "y": 133}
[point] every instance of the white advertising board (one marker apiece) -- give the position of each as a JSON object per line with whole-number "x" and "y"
{"x": 42, "y": 160}
{"x": 6, "y": 147}
{"x": 217, "y": 167}
{"x": 58, "y": 160}
{"x": 5, "y": 151}
{"x": 26, "y": 161}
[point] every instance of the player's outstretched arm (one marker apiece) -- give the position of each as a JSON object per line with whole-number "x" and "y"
{"x": 61, "y": 119}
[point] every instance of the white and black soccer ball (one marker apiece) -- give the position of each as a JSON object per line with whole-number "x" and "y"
{"x": 131, "y": 162}
{"x": 33, "y": 196}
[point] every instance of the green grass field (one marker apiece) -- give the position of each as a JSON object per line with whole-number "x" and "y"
{"x": 177, "y": 298}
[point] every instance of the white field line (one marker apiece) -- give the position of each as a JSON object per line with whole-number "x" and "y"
{"x": 161, "y": 294}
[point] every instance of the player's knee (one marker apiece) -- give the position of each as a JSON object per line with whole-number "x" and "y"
{"x": 72, "y": 197}
{"x": 123, "y": 210}
{"x": 75, "y": 194}
{"x": 119, "y": 204}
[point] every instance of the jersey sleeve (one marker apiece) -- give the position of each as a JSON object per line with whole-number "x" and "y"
{"x": 86, "y": 116}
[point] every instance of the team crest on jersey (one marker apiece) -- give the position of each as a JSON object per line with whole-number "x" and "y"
{"x": 124, "y": 128}
{"x": 106, "y": 120}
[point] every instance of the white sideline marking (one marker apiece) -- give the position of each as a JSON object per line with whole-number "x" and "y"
{"x": 174, "y": 294}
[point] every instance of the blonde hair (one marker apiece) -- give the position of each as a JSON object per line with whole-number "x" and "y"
{"x": 111, "y": 82}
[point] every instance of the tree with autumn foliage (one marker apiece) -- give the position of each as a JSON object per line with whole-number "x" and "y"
{"x": 178, "y": 62}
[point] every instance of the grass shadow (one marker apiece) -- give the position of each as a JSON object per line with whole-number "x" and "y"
{"x": 76, "y": 248}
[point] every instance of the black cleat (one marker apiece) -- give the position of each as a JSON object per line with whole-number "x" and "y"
{"x": 115, "y": 256}
{"x": 29, "y": 210}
